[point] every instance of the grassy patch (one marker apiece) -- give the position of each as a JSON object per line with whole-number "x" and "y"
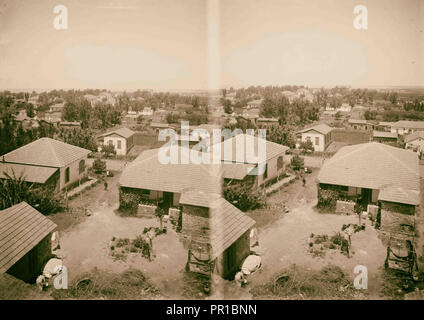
{"x": 97, "y": 284}
{"x": 395, "y": 284}
{"x": 300, "y": 283}
{"x": 194, "y": 285}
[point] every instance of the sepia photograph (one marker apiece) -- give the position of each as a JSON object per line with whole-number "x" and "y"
{"x": 230, "y": 151}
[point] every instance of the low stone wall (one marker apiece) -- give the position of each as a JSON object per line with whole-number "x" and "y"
{"x": 396, "y": 222}
{"x": 372, "y": 211}
{"x": 174, "y": 214}
{"x": 145, "y": 210}
{"x": 345, "y": 207}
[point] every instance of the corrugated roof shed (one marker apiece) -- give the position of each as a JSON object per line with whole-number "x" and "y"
{"x": 372, "y": 165}
{"x": 32, "y": 174}
{"x": 46, "y": 152}
{"x": 21, "y": 229}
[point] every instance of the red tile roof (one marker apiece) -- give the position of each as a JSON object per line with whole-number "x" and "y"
{"x": 21, "y": 229}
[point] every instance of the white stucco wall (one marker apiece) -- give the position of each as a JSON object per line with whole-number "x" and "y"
{"x": 114, "y": 140}
{"x": 312, "y": 136}
{"x": 272, "y": 170}
{"x": 74, "y": 174}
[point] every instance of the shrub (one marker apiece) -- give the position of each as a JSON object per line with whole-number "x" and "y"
{"x": 307, "y": 146}
{"x": 15, "y": 189}
{"x": 99, "y": 166}
{"x": 327, "y": 199}
{"x": 297, "y": 162}
{"x": 244, "y": 197}
{"x": 129, "y": 201}
{"x": 108, "y": 150}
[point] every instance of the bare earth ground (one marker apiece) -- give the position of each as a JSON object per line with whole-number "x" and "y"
{"x": 283, "y": 239}
{"x": 87, "y": 245}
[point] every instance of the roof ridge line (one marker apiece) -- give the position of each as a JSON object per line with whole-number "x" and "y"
{"x": 54, "y": 151}
{"x": 397, "y": 160}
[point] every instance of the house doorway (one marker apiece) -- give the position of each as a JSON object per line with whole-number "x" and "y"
{"x": 366, "y": 196}
{"x": 230, "y": 261}
{"x": 168, "y": 199}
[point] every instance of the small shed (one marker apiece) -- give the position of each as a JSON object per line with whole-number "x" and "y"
{"x": 25, "y": 241}
{"x": 224, "y": 229}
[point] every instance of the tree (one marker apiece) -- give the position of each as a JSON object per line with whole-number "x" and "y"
{"x": 108, "y": 150}
{"x": 307, "y": 146}
{"x": 358, "y": 208}
{"x": 282, "y": 135}
{"x": 99, "y": 166}
{"x": 244, "y": 196}
{"x": 15, "y": 189}
{"x": 297, "y": 162}
{"x": 228, "y": 109}
{"x": 82, "y": 138}
{"x": 224, "y": 93}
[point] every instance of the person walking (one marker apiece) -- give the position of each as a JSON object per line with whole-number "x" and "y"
{"x": 304, "y": 181}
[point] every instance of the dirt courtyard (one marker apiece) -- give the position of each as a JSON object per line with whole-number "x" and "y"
{"x": 283, "y": 241}
{"x": 87, "y": 246}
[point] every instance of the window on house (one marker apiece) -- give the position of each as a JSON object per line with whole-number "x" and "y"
{"x": 119, "y": 144}
{"x": 316, "y": 141}
{"x": 81, "y": 166}
{"x": 266, "y": 171}
{"x": 280, "y": 163}
{"x": 67, "y": 175}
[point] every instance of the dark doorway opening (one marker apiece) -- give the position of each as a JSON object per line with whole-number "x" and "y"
{"x": 168, "y": 199}
{"x": 366, "y": 196}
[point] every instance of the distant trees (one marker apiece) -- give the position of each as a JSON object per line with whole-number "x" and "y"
{"x": 103, "y": 115}
{"x": 370, "y": 115}
{"x": 13, "y": 135}
{"x": 228, "y": 108}
{"x": 82, "y": 138}
{"x": 282, "y": 135}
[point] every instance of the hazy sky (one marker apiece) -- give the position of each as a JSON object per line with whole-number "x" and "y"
{"x": 196, "y": 44}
